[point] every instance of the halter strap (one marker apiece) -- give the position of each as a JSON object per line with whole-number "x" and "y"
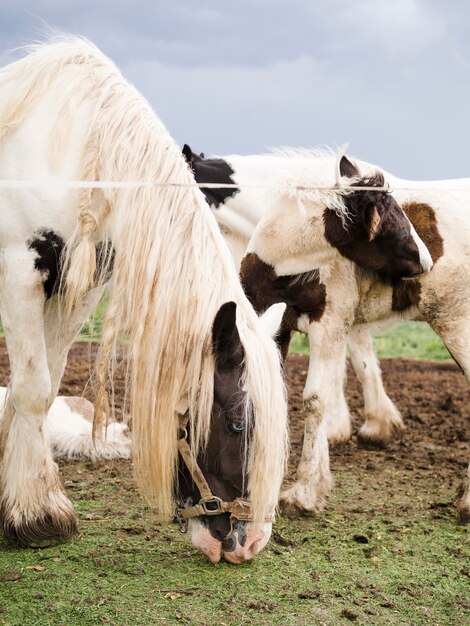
{"x": 239, "y": 509}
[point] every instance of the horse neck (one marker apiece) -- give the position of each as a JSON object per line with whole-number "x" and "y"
{"x": 259, "y": 179}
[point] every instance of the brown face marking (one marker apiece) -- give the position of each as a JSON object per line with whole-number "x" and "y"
{"x": 423, "y": 218}
{"x": 303, "y": 294}
{"x": 222, "y": 460}
{"x": 376, "y": 234}
{"x": 81, "y": 406}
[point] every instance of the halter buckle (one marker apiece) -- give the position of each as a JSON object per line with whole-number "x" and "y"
{"x": 212, "y": 505}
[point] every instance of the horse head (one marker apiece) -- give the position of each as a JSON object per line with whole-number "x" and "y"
{"x": 374, "y": 231}
{"x": 214, "y": 487}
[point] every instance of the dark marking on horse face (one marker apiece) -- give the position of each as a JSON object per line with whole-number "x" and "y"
{"x": 377, "y": 235}
{"x": 236, "y": 536}
{"x": 223, "y": 460}
{"x": 303, "y": 294}
{"x": 49, "y": 247}
{"x": 211, "y": 171}
{"x": 423, "y": 218}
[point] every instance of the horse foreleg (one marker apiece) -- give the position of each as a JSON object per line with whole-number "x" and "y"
{"x": 33, "y": 507}
{"x": 338, "y": 418}
{"x": 60, "y": 332}
{"x": 314, "y": 481}
{"x": 383, "y": 420}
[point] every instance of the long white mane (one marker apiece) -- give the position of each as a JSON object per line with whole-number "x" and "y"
{"x": 172, "y": 269}
{"x": 307, "y": 175}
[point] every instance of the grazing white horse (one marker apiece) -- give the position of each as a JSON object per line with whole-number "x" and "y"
{"x": 67, "y": 114}
{"x": 68, "y": 428}
{"x": 346, "y": 295}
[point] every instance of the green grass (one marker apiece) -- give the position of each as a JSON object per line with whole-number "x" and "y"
{"x": 93, "y": 327}
{"x": 410, "y": 340}
{"x": 380, "y": 564}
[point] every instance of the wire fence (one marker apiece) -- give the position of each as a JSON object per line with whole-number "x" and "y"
{"x": 123, "y": 184}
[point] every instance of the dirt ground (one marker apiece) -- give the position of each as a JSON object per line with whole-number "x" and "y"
{"x": 434, "y": 401}
{"x": 433, "y": 398}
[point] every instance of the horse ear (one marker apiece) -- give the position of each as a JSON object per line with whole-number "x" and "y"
{"x": 187, "y": 153}
{"x": 346, "y": 168}
{"x": 271, "y": 319}
{"x": 202, "y": 155}
{"x": 226, "y": 343}
{"x": 373, "y": 223}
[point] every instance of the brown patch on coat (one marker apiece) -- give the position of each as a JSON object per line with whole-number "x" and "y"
{"x": 303, "y": 294}
{"x": 423, "y": 218}
{"x": 405, "y": 294}
{"x": 82, "y": 406}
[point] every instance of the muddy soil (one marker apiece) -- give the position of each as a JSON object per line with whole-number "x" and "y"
{"x": 432, "y": 397}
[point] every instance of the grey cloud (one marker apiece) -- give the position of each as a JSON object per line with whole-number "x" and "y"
{"x": 392, "y": 78}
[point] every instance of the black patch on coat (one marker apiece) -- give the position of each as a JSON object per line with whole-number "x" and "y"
{"x": 49, "y": 262}
{"x": 222, "y": 460}
{"x": 49, "y": 247}
{"x": 211, "y": 171}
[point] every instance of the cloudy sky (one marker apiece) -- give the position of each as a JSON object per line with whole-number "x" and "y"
{"x": 390, "y": 77}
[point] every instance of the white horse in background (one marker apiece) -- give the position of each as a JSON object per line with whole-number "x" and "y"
{"x": 194, "y": 341}
{"x": 68, "y": 428}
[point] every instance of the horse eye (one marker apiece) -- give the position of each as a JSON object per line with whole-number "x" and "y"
{"x": 237, "y": 427}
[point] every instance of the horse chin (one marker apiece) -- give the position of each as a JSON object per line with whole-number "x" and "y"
{"x": 244, "y": 542}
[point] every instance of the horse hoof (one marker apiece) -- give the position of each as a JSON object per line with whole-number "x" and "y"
{"x": 292, "y": 511}
{"x": 338, "y": 440}
{"x": 294, "y": 504}
{"x": 371, "y": 443}
{"x": 40, "y": 532}
{"x": 463, "y": 505}
{"x": 372, "y": 436}
{"x": 464, "y": 515}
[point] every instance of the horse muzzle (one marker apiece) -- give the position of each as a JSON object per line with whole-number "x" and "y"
{"x": 245, "y": 540}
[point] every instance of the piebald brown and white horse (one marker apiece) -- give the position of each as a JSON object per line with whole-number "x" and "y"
{"x": 343, "y": 293}
{"x": 261, "y": 188}
{"x": 238, "y": 210}
{"x": 203, "y": 370}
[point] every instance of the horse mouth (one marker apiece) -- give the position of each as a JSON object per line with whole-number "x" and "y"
{"x": 233, "y": 548}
